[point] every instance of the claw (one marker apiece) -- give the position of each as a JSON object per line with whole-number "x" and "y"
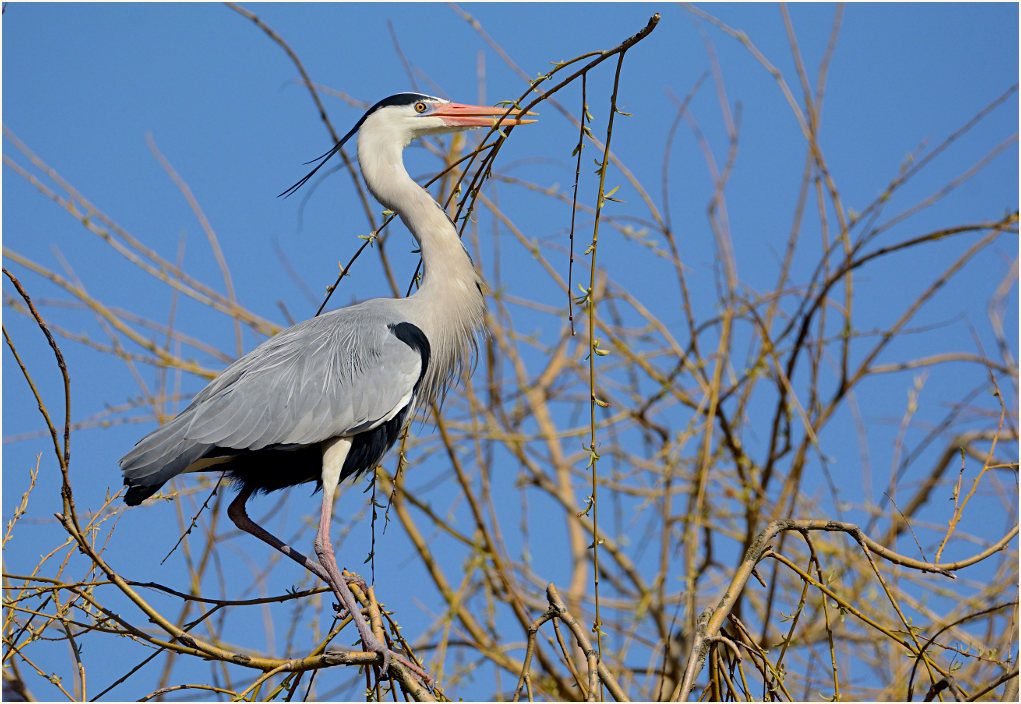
{"x": 355, "y": 580}
{"x": 386, "y": 660}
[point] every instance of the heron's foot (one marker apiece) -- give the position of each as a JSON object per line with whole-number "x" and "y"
{"x": 339, "y": 583}
{"x": 413, "y": 667}
{"x": 354, "y": 580}
{"x": 349, "y": 604}
{"x": 373, "y": 644}
{"x": 416, "y": 670}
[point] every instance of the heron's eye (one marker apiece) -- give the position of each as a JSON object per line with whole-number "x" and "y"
{"x": 420, "y": 107}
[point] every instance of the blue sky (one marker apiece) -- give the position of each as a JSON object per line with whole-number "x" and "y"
{"x": 86, "y": 87}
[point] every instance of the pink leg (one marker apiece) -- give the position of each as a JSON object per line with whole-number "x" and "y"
{"x": 334, "y": 453}
{"x": 324, "y": 550}
{"x": 237, "y": 513}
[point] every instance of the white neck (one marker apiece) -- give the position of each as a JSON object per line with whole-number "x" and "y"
{"x": 449, "y": 306}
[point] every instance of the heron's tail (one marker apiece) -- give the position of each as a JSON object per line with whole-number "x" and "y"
{"x": 156, "y": 459}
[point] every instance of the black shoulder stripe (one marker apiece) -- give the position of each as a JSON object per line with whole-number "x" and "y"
{"x": 413, "y": 337}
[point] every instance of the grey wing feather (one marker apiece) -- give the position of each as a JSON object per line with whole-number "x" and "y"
{"x": 338, "y": 374}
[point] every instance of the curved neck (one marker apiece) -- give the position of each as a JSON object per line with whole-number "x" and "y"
{"x": 448, "y": 306}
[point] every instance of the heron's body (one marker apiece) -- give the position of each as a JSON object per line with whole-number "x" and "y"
{"x": 358, "y": 372}
{"x": 325, "y": 399}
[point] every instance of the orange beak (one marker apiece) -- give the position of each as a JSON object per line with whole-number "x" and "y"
{"x": 460, "y": 115}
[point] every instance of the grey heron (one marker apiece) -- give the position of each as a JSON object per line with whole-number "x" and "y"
{"x": 325, "y": 400}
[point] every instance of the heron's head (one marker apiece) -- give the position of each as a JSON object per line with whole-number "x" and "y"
{"x": 394, "y": 122}
{"x": 407, "y": 116}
